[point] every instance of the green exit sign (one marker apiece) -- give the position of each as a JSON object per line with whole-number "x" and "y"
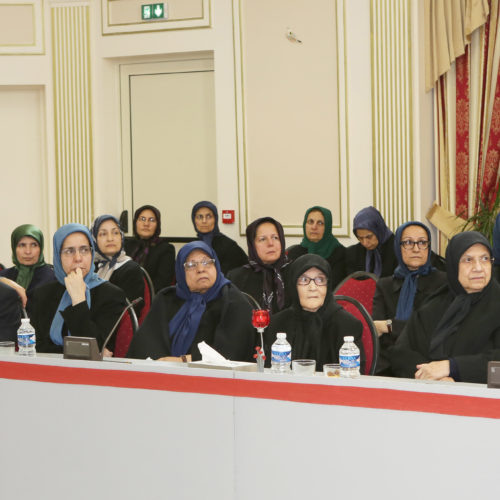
{"x": 153, "y": 11}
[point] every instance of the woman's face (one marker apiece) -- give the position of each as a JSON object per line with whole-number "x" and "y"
{"x": 311, "y": 295}
{"x": 200, "y": 278}
{"x": 204, "y": 220}
{"x": 315, "y": 226}
{"x": 146, "y": 224}
{"x": 267, "y": 243}
{"x": 76, "y": 252}
{"x": 414, "y": 257}
{"x": 109, "y": 238}
{"x": 367, "y": 239}
{"x": 474, "y": 268}
{"x": 27, "y": 251}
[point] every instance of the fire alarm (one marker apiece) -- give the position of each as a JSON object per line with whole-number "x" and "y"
{"x": 228, "y": 216}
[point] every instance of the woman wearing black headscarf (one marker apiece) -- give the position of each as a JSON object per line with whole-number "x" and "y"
{"x": 265, "y": 275}
{"x": 149, "y": 250}
{"x": 206, "y": 224}
{"x": 202, "y": 306}
{"x": 455, "y": 333}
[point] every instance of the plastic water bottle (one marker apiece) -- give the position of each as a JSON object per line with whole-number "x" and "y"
{"x": 26, "y": 339}
{"x": 281, "y": 354}
{"x": 349, "y": 359}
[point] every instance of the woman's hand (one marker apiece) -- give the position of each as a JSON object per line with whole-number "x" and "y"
{"x": 75, "y": 286}
{"x": 381, "y": 326}
{"x": 106, "y": 353}
{"x": 435, "y": 370}
{"x": 18, "y": 288}
{"x": 180, "y": 359}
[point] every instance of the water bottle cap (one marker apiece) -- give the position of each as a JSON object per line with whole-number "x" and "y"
{"x": 348, "y": 339}
{"x": 281, "y": 335}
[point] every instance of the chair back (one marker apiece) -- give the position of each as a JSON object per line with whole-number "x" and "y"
{"x": 360, "y": 286}
{"x": 369, "y": 338}
{"x": 126, "y": 330}
{"x": 148, "y": 295}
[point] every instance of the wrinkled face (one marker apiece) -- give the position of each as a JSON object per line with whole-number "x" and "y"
{"x": 367, "y": 239}
{"x": 315, "y": 226}
{"x": 474, "y": 268}
{"x": 200, "y": 278}
{"x": 414, "y": 257}
{"x": 109, "y": 238}
{"x": 204, "y": 220}
{"x": 27, "y": 251}
{"x": 311, "y": 295}
{"x": 267, "y": 243}
{"x": 146, "y": 224}
{"x": 76, "y": 253}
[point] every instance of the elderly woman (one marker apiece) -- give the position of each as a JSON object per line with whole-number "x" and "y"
{"x": 375, "y": 251}
{"x": 265, "y": 274}
{"x": 149, "y": 250}
{"x": 319, "y": 240}
{"x": 79, "y": 303}
{"x": 457, "y": 331}
{"x": 203, "y": 306}
{"x": 29, "y": 270}
{"x": 206, "y": 224}
{"x": 413, "y": 281}
{"x": 111, "y": 262}
{"x": 315, "y": 324}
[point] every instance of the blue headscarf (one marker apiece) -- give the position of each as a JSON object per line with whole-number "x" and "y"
{"x": 91, "y": 279}
{"x": 369, "y": 218}
{"x": 496, "y": 241}
{"x": 184, "y": 325}
{"x": 409, "y": 288}
{"x": 206, "y": 237}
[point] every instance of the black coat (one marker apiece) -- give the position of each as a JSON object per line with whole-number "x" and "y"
{"x": 226, "y": 325}
{"x": 129, "y": 278}
{"x": 230, "y": 254}
{"x": 10, "y": 312}
{"x": 355, "y": 257}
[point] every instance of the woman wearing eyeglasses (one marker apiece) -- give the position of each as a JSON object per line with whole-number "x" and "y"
{"x": 79, "y": 303}
{"x": 314, "y": 323}
{"x": 203, "y": 306}
{"x": 206, "y": 224}
{"x": 149, "y": 250}
{"x": 457, "y": 331}
{"x": 414, "y": 280}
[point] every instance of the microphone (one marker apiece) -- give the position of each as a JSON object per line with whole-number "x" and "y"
{"x": 131, "y": 304}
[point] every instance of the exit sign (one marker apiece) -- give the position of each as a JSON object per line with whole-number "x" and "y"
{"x": 153, "y": 11}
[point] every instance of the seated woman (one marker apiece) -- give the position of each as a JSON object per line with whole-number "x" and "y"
{"x": 111, "y": 262}
{"x": 206, "y": 224}
{"x": 318, "y": 239}
{"x": 375, "y": 251}
{"x": 79, "y": 303}
{"x": 202, "y": 306}
{"x": 397, "y": 296}
{"x": 149, "y": 250}
{"x": 457, "y": 331}
{"x": 265, "y": 275}
{"x": 315, "y": 324}
{"x": 29, "y": 270}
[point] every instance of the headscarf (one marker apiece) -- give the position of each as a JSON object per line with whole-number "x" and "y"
{"x": 496, "y": 240}
{"x": 272, "y": 278}
{"x": 184, "y": 325}
{"x": 206, "y": 237}
{"x": 106, "y": 265}
{"x": 91, "y": 279}
{"x": 141, "y": 252}
{"x": 409, "y": 288}
{"x": 370, "y": 218}
{"x": 25, "y": 273}
{"x": 462, "y": 301}
{"x": 328, "y": 242}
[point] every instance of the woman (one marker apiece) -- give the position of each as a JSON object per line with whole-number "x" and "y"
{"x": 265, "y": 275}
{"x": 206, "y": 224}
{"x": 79, "y": 303}
{"x": 457, "y": 331}
{"x": 318, "y": 239}
{"x": 29, "y": 270}
{"x": 314, "y": 323}
{"x": 413, "y": 281}
{"x": 111, "y": 262}
{"x": 375, "y": 251}
{"x": 203, "y": 306}
{"x": 149, "y": 250}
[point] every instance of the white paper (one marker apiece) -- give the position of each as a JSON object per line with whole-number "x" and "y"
{"x": 210, "y": 355}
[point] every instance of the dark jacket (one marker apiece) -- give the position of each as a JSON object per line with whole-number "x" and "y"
{"x": 129, "y": 278}
{"x": 229, "y": 253}
{"x": 10, "y": 312}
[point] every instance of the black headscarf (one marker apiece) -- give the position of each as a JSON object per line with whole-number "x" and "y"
{"x": 206, "y": 237}
{"x": 141, "y": 252}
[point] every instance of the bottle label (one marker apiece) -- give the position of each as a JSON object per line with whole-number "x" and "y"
{"x": 26, "y": 339}
{"x": 281, "y": 356}
{"x": 349, "y": 361}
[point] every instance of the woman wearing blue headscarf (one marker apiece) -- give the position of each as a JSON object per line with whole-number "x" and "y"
{"x": 79, "y": 303}
{"x": 206, "y": 224}
{"x": 203, "y": 306}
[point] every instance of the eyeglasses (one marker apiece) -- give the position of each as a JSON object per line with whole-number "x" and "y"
{"x": 71, "y": 251}
{"x": 193, "y": 264}
{"x": 318, "y": 281}
{"x": 483, "y": 261}
{"x": 204, "y": 217}
{"x": 149, "y": 219}
{"x": 410, "y": 244}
